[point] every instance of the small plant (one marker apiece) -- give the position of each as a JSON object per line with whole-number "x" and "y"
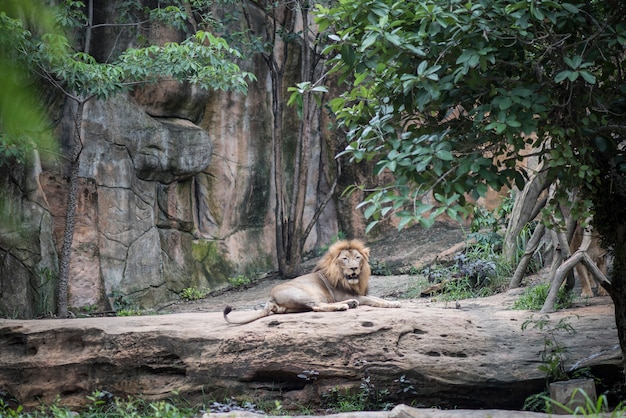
{"x": 103, "y": 404}
{"x": 193, "y": 293}
{"x": 86, "y": 310}
{"x": 533, "y": 298}
{"x": 406, "y": 387}
{"x": 554, "y": 354}
{"x": 128, "y": 312}
{"x": 367, "y": 398}
{"x": 553, "y": 358}
{"x": 46, "y": 278}
{"x": 239, "y": 281}
{"x": 536, "y": 262}
{"x": 537, "y": 402}
{"x": 591, "y": 409}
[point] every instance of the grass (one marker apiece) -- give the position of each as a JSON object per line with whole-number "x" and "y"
{"x": 239, "y": 282}
{"x": 592, "y": 409}
{"x": 533, "y": 298}
{"x": 103, "y": 405}
{"x": 193, "y": 293}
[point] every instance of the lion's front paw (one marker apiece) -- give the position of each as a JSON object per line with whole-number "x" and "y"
{"x": 352, "y": 303}
{"x": 395, "y": 305}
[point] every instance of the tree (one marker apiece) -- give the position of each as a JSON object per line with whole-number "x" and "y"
{"x": 453, "y": 96}
{"x": 287, "y": 25}
{"x": 67, "y": 65}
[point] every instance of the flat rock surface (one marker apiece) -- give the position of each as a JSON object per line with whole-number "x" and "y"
{"x": 473, "y": 356}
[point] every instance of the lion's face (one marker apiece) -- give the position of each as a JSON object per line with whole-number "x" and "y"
{"x": 346, "y": 265}
{"x": 350, "y": 263}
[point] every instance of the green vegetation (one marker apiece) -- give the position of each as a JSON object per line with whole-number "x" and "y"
{"x": 481, "y": 270}
{"x": 599, "y": 408}
{"x": 239, "y": 281}
{"x": 103, "y": 405}
{"x": 193, "y": 293}
{"x": 553, "y": 357}
{"x": 450, "y": 98}
{"x": 554, "y": 353}
{"x": 534, "y": 297}
{"x": 367, "y": 398}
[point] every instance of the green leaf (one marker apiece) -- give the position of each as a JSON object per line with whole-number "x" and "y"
{"x": 444, "y": 155}
{"x": 589, "y": 78}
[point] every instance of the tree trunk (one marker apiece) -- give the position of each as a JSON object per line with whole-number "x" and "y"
{"x": 70, "y": 214}
{"x": 609, "y": 220}
{"x": 72, "y": 193}
{"x": 526, "y": 207}
{"x": 531, "y": 247}
{"x": 618, "y": 295}
{"x": 303, "y": 154}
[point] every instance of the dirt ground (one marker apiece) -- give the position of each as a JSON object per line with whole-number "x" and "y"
{"x": 414, "y": 247}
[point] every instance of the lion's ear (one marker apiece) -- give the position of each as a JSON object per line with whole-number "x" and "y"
{"x": 366, "y": 252}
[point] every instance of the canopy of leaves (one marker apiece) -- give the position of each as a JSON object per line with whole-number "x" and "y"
{"x": 35, "y": 43}
{"x": 450, "y": 96}
{"x": 22, "y": 121}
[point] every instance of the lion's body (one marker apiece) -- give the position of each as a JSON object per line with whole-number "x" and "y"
{"x": 338, "y": 282}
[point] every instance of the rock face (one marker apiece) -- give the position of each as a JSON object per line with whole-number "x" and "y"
{"x": 476, "y": 356}
{"x": 175, "y": 191}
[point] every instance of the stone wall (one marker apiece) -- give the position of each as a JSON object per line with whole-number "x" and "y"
{"x": 175, "y": 191}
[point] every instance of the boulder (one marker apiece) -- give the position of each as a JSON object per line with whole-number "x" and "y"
{"x": 473, "y": 356}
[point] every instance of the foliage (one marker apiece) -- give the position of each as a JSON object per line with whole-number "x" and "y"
{"x": 368, "y": 397}
{"x": 495, "y": 220}
{"x": 123, "y": 305}
{"x": 239, "y": 281}
{"x": 480, "y": 271}
{"x": 554, "y": 353}
{"x": 599, "y": 408}
{"x": 103, "y": 405}
{"x": 451, "y": 96}
{"x": 538, "y": 402}
{"x": 534, "y": 297}
{"x": 193, "y": 293}
{"x": 28, "y": 49}
{"x": 536, "y": 262}
{"x": 23, "y": 125}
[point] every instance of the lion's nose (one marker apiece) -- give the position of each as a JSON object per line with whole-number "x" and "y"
{"x": 354, "y": 269}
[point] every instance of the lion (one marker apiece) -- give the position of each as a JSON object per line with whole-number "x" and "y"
{"x": 338, "y": 282}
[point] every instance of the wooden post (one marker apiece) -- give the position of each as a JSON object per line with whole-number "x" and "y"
{"x": 572, "y": 393}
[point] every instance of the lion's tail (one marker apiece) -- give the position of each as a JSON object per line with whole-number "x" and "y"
{"x": 266, "y": 311}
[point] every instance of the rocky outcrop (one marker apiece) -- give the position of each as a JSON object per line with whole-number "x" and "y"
{"x": 175, "y": 191}
{"x": 474, "y": 356}
{"x": 28, "y": 259}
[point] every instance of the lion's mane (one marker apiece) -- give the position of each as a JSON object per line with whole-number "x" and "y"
{"x": 330, "y": 266}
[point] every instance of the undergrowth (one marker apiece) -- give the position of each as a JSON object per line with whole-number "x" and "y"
{"x": 103, "y": 405}
{"x": 533, "y": 298}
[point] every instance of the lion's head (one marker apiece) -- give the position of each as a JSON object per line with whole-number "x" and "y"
{"x": 346, "y": 266}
